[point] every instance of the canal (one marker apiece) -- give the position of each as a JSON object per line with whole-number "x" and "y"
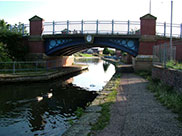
{"x": 48, "y": 108}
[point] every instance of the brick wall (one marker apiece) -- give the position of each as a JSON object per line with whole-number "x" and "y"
{"x": 170, "y": 77}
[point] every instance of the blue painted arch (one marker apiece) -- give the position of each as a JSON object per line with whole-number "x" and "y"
{"x": 67, "y": 45}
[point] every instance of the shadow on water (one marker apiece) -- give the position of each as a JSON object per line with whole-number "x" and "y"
{"x": 40, "y": 108}
{"x": 45, "y": 108}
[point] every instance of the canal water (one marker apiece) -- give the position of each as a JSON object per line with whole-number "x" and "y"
{"x": 48, "y": 108}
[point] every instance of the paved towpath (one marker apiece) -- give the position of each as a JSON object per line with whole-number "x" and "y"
{"x": 137, "y": 113}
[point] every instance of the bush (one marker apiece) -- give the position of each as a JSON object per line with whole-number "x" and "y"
{"x": 13, "y": 45}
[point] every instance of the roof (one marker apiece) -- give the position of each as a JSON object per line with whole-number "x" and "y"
{"x": 148, "y": 16}
{"x": 35, "y": 18}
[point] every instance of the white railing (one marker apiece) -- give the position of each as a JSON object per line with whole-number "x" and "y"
{"x": 101, "y": 27}
{"x": 93, "y": 27}
{"x": 107, "y": 27}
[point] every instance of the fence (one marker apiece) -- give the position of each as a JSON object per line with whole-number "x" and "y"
{"x": 15, "y": 67}
{"x": 161, "y": 54}
{"x": 100, "y": 27}
{"x": 95, "y": 27}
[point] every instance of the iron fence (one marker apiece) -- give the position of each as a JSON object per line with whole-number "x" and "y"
{"x": 24, "y": 66}
{"x": 161, "y": 54}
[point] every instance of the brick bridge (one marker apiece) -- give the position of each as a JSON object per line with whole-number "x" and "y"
{"x": 61, "y": 46}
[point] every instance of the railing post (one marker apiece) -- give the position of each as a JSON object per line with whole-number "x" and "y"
{"x": 82, "y": 26}
{"x": 165, "y": 46}
{"x": 128, "y": 27}
{"x": 67, "y": 26}
{"x": 14, "y": 67}
{"x": 97, "y": 26}
{"x": 181, "y": 30}
{"x": 112, "y": 26}
{"x": 36, "y": 65}
{"x": 10, "y": 27}
{"x": 19, "y": 28}
{"x": 164, "y": 29}
{"x": 23, "y": 29}
{"x": 53, "y": 27}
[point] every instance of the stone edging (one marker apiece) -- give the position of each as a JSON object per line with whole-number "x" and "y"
{"x": 44, "y": 77}
{"x": 83, "y": 126}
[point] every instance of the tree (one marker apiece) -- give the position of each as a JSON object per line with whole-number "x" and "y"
{"x": 4, "y": 25}
{"x": 4, "y": 57}
{"x": 12, "y": 42}
{"x": 106, "y": 51}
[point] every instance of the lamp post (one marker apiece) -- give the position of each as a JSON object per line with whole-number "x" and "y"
{"x": 150, "y": 6}
{"x": 171, "y": 40}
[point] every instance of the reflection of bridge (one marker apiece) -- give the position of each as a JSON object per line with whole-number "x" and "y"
{"x": 66, "y": 38}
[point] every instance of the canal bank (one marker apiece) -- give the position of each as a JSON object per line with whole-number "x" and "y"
{"x": 46, "y": 108}
{"x": 41, "y": 76}
{"x": 97, "y": 114}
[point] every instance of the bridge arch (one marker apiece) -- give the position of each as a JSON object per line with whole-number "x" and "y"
{"x": 56, "y": 45}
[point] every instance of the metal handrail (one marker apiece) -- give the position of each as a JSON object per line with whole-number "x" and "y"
{"x": 96, "y": 26}
{"x": 29, "y": 65}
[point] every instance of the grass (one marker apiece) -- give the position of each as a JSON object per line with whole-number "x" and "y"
{"x": 174, "y": 65}
{"x": 84, "y": 55}
{"x": 165, "y": 94}
{"x": 104, "y": 118}
{"x": 79, "y": 112}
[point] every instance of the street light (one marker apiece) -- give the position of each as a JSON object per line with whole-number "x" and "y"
{"x": 150, "y": 6}
{"x": 171, "y": 40}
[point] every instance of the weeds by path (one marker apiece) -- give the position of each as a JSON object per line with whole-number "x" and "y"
{"x": 104, "y": 119}
{"x": 164, "y": 93}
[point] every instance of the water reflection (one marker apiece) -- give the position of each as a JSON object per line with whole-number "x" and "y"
{"x": 106, "y": 66}
{"x": 42, "y": 109}
{"x": 46, "y": 108}
{"x": 100, "y": 72}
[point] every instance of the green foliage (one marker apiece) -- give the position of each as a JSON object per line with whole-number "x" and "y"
{"x": 3, "y": 25}
{"x": 145, "y": 74}
{"x": 174, "y": 65}
{"x": 104, "y": 119}
{"x": 112, "y": 52}
{"x": 164, "y": 93}
{"x": 14, "y": 46}
{"x": 79, "y": 112}
{"x": 4, "y": 57}
{"x": 106, "y": 51}
{"x": 167, "y": 96}
{"x": 83, "y": 55}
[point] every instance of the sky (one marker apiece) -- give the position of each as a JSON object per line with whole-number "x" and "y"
{"x": 14, "y": 11}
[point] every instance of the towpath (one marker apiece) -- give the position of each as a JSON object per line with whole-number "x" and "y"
{"x": 137, "y": 112}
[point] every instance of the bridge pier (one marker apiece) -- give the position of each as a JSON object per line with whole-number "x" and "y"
{"x": 147, "y": 40}
{"x": 37, "y": 47}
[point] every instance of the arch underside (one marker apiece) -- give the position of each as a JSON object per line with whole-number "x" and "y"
{"x": 70, "y": 45}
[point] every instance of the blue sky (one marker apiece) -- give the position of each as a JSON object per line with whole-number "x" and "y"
{"x": 60, "y": 10}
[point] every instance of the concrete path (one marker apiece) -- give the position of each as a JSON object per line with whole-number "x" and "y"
{"x": 137, "y": 113}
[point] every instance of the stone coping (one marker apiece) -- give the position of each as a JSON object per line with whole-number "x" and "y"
{"x": 12, "y": 78}
{"x": 83, "y": 126}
